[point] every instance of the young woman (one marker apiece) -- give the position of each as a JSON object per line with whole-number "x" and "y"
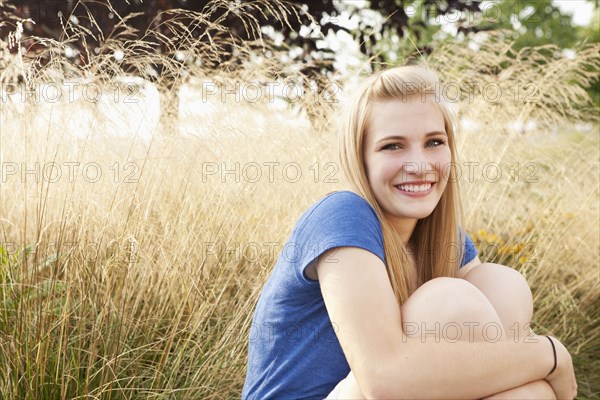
{"x": 378, "y": 293}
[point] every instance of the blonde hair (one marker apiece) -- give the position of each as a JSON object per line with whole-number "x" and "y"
{"x": 436, "y": 237}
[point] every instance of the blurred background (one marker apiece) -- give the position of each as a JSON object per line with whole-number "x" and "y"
{"x": 155, "y": 155}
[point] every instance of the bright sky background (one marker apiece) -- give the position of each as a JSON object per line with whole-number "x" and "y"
{"x": 581, "y": 10}
{"x": 348, "y": 52}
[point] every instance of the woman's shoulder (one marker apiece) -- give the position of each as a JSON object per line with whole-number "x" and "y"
{"x": 341, "y": 200}
{"x": 339, "y": 219}
{"x": 344, "y": 196}
{"x": 339, "y": 207}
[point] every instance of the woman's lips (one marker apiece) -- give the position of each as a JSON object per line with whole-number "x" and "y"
{"x": 416, "y": 190}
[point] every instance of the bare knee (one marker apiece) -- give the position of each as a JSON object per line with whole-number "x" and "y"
{"x": 455, "y": 298}
{"x": 449, "y": 306}
{"x": 506, "y": 289}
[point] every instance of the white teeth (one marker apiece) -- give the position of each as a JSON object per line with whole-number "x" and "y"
{"x": 415, "y": 188}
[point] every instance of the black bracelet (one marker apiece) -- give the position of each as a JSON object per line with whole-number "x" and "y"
{"x": 553, "y": 352}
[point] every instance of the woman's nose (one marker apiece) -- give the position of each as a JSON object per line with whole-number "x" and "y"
{"x": 417, "y": 163}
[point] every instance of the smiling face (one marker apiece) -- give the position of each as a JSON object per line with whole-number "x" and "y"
{"x": 407, "y": 158}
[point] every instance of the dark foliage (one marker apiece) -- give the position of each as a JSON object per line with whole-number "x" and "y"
{"x": 51, "y": 16}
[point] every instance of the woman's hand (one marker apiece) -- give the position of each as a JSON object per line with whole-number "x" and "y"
{"x": 562, "y": 379}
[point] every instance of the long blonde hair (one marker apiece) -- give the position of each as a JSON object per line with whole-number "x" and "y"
{"x": 435, "y": 239}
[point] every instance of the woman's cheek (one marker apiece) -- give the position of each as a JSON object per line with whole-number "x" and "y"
{"x": 443, "y": 163}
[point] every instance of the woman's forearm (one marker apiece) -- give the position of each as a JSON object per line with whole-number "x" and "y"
{"x": 425, "y": 369}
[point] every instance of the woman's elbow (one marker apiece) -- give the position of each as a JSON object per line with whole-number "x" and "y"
{"x": 386, "y": 382}
{"x": 370, "y": 380}
{"x": 397, "y": 390}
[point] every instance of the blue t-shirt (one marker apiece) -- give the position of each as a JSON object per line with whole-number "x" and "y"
{"x": 293, "y": 350}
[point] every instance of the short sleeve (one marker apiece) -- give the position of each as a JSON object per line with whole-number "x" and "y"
{"x": 470, "y": 251}
{"x": 341, "y": 219}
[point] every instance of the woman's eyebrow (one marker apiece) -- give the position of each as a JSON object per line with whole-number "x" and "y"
{"x": 398, "y": 137}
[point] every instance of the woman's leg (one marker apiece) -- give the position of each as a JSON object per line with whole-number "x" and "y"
{"x": 510, "y": 295}
{"x": 508, "y": 292}
{"x": 533, "y": 390}
{"x": 428, "y": 312}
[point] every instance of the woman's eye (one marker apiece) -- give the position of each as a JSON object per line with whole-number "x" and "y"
{"x": 391, "y": 146}
{"x": 435, "y": 142}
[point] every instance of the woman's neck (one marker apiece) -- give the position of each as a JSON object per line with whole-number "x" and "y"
{"x": 404, "y": 227}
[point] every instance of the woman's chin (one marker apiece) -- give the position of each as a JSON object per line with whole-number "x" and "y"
{"x": 411, "y": 215}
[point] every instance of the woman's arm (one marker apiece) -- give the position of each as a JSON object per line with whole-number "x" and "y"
{"x": 388, "y": 364}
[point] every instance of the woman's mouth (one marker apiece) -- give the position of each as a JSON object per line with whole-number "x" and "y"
{"x": 416, "y": 189}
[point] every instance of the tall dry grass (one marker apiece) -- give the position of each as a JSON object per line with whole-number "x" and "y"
{"x": 141, "y": 282}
